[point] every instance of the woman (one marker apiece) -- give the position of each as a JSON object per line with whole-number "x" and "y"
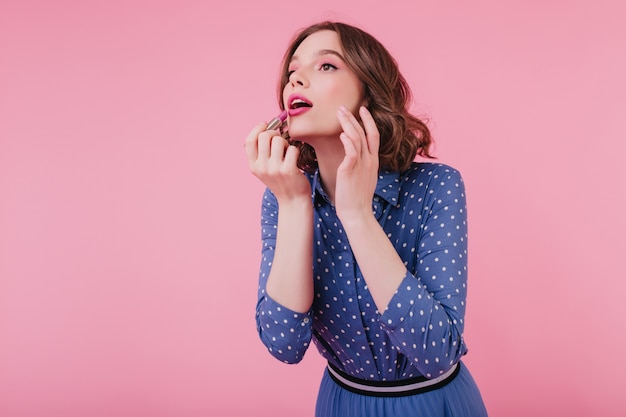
{"x": 364, "y": 250}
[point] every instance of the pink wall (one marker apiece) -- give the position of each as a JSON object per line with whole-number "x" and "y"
{"x": 129, "y": 233}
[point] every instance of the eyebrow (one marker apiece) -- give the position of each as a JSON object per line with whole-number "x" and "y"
{"x": 321, "y": 52}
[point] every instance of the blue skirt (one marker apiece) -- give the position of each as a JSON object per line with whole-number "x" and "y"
{"x": 459, "y": 398}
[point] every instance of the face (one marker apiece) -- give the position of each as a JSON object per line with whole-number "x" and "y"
{"x": 319, "y": 83}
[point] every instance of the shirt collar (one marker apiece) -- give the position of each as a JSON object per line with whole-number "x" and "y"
{"x": 387, "y": 187}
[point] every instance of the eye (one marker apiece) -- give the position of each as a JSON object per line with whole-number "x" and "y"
{"x": 291, "y": 69}
{"x": 327, "y": 67}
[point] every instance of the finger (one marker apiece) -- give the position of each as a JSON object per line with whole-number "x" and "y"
{"x": 278, "y": 144}
{"x": 251, "y": 143}
{"x": 291, "y": 156}
{"x": 355, "y": 124}
{"x": 371, "y": 130}
{"x": 347, "y": 121}
{"x": 264, "y": 144}
{"x": 352, "y": 154}
{"x": 350, "y": 123}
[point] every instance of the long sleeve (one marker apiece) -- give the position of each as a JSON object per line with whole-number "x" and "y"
{"x": 285, "y": 333}
{"x": 425, "y": 318}
{"x": 423, "y": 213}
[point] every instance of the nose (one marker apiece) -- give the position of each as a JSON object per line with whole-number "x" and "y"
{"x": 298, "y": 78}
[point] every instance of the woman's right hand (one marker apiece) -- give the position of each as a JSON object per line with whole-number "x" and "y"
{"x": 272, "y": 160}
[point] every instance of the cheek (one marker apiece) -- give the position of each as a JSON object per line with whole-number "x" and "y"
{"x": 348, "y": 93}
{"x": 285, "y": 96}
{"x": 337, "y": 91}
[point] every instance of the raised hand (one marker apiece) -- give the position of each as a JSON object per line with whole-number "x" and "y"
{"x": 358, "y": 172}
{"x": 272, "y": 160}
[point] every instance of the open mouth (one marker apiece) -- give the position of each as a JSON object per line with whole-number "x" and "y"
{"x": 297, "y": 103}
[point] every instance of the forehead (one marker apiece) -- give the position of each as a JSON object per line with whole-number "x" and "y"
{"x": 322, "y": 40}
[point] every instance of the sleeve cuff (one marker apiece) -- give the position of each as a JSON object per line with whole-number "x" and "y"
{"x": 283, "y": 316}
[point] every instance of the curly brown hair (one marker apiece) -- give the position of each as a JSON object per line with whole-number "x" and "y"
{"x": 403, "y": 136}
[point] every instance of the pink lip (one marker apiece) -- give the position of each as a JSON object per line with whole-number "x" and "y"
{"x": 299, "y": 110}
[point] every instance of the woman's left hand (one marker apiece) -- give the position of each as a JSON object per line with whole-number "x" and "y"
{"x": 357, "y": 174}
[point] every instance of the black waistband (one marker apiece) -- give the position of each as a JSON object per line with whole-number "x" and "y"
{"x": 403, "y": 387}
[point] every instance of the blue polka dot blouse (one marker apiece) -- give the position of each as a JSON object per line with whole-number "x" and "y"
{"x": 423, "y": 212}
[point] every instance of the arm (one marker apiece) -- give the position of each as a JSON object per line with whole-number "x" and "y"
{"x": 382, "y": 268}
{"x": 286, "y": 332}
{"x": 286, "y": 276}
{"x": 290, "y": 279}
{"x": 357, "y": 175}
{"x": 425, "y": 317}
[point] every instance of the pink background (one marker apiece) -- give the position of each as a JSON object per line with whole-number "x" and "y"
{"x": 129, "y": 237}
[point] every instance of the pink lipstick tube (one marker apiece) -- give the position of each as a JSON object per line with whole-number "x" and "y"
{"x": 277, "y": 121}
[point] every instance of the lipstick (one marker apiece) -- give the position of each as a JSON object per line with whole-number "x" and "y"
{"x": 277, "y": 121}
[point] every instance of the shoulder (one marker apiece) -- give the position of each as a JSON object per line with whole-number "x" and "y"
{"x": 432, "y": 168}
{"x": 435, "y": 183}
{"x": 432, "y": 173}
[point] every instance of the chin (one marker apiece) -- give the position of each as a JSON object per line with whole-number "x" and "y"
{"x": 302, "y": 139}
{"x": 306, "y": 135}
{"x": 301, "y": 134}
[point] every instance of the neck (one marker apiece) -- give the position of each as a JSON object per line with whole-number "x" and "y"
{"x": 330, "y": 154}
{"x": 328, "y": 176}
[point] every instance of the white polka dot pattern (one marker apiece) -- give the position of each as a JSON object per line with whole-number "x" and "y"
{"x": 424, "y": 215}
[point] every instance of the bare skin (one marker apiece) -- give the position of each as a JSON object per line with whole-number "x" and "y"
{"x": 347, "y": 155}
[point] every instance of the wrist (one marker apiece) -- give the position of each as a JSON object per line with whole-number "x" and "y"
{"x": 357, "y": 219}
{"x": 295, "y": 202}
